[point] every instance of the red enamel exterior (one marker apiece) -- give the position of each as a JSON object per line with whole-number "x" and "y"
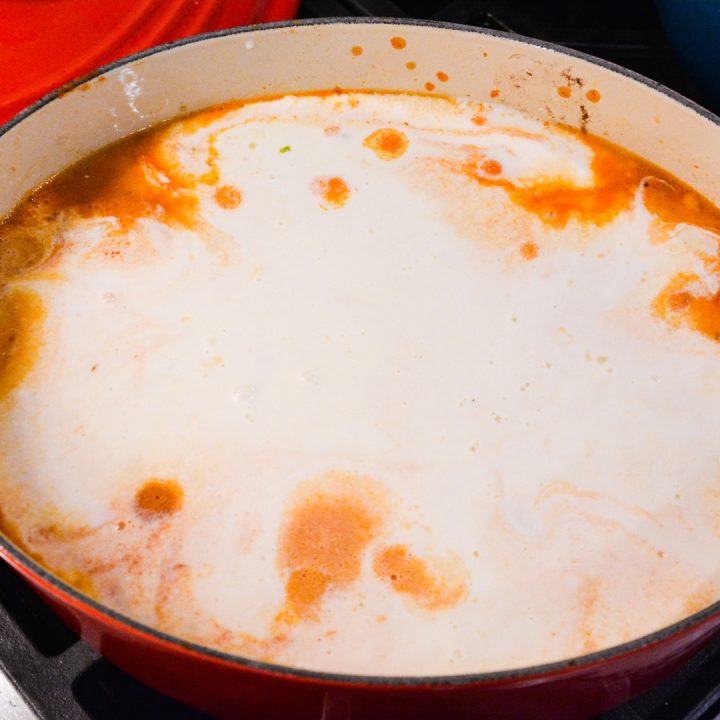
{"x": 46, "y": 44}
{"x": 232, "y": 689}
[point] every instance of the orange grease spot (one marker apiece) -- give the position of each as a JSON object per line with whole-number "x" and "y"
{"x": 593, "y": 95}
{"x": 22, "y": 315}
{"x": 411, "y": 65}
{"x": 564, "y": 91}
{"x": 333, "y": 190}
{"x": 388, "y": 144}
{"x": 158, "y": 498}
{"x": 529, "y": 250}
{"x": 228, "y": 197}
{"x": 494, "y": 93}
{"x": 356, "y": 50}
{"x": 398, "y": 43}
{"x": 322, "y": 545}
{"x": 410, "y": 575}
{"x": 441, "y": 76}
{"x": 491, "y": 167}
{"x": 303, "y": 592}
{"x": 680, "y": 302}
{"x": 429, "y": 86}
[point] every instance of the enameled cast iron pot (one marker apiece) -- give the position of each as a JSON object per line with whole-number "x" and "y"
{"x": 45, "y": 44}
{"x": 192, "y": 74}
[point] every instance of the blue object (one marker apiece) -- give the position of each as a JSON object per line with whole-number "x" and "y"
{"x": 693, "y": 26}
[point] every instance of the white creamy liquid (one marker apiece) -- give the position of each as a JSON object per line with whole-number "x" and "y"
{"x": 537, "y": 445}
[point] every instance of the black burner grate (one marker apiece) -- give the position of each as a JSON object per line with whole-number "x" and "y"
{"x": 62, "y": 679}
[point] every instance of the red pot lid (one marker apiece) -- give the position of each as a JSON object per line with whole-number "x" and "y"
{"x": 46, "y": 43}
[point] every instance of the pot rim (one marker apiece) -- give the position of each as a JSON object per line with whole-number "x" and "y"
{"x": 36, "y": 572}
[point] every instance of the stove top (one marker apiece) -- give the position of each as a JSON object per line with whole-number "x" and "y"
{"x": 49, "y": 674}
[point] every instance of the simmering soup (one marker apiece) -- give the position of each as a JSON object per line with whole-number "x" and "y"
{"x": 370, "y": 383}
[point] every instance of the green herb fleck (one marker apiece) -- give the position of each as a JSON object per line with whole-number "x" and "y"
{"x": 285, "y": 148}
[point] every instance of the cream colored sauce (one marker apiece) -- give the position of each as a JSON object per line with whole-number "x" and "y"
{"x": 531, "y": 446}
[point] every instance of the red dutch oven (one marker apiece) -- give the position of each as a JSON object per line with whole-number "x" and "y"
{"x": 45, "y": 44}
{"x": 197, "y": 72}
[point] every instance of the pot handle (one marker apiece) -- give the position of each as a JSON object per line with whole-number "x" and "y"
{"x": 337, "y": 705}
